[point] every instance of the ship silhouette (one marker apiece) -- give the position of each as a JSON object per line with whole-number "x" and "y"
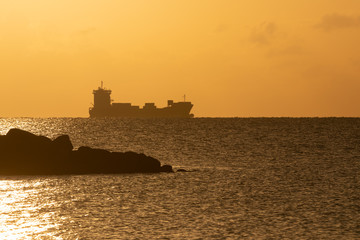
{"x": 103, "y": 107}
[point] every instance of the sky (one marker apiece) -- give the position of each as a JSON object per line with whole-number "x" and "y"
{"x": 231, "y": 58}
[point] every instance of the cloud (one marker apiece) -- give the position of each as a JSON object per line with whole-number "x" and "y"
{"x": 336, "y": 21}
{"x": 263, "y": 34}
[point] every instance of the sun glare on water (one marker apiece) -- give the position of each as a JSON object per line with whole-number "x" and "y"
{"x": 21, "y": 214}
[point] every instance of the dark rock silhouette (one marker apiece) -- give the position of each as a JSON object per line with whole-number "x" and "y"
{"x": 24, "y": 153}
{"x": 63, "y": 143}
{"x": 166, "y": 168}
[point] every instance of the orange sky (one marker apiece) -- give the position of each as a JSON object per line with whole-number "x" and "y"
{"x": 245, "y": 58}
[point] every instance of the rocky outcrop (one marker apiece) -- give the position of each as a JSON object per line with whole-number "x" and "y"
{"x": 24, "y": 153}
{"x": 166, "y": 168}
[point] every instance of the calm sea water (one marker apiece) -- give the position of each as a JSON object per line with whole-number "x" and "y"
{"x": 250, "y": 178}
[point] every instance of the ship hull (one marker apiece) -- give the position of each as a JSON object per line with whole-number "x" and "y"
{"x": 103, "y": 107}
{"x": 179, "y": 110}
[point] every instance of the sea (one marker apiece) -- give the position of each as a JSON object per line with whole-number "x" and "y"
{"x": 246, "y": 178}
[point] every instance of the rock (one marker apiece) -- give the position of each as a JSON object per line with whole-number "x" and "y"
{"x": 3, "y": 143}
{"x": 63, "y": 143}
{"x": 24, "y": 146}
{"x": 90, "y": 160}
{"x": 22, "y": 152}
{"x": 166, "y": 168}
{"x": 87, "y": 159}
{"x": 25, "y": 153}
{"x": 16, "y": 133}
{"x": 23, "y": 140}
{"x": 181, "y": 170}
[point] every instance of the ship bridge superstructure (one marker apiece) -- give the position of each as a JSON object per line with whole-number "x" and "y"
{"x": 102, "y": 98}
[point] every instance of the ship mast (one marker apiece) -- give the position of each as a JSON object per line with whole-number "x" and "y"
{"x": 184, "y": 97}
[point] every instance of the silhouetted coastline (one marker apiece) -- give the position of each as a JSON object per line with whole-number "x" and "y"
{"x": 24, "y": 153}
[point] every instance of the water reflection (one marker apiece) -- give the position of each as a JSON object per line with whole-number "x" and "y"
{"x": 256, "y": 179}
{"x": 21, "y": 215}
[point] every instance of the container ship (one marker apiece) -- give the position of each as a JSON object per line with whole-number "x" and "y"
{"x": 103, "y": 107}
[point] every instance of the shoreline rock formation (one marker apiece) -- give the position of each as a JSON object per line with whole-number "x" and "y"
{"x": 24, "y": 153}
